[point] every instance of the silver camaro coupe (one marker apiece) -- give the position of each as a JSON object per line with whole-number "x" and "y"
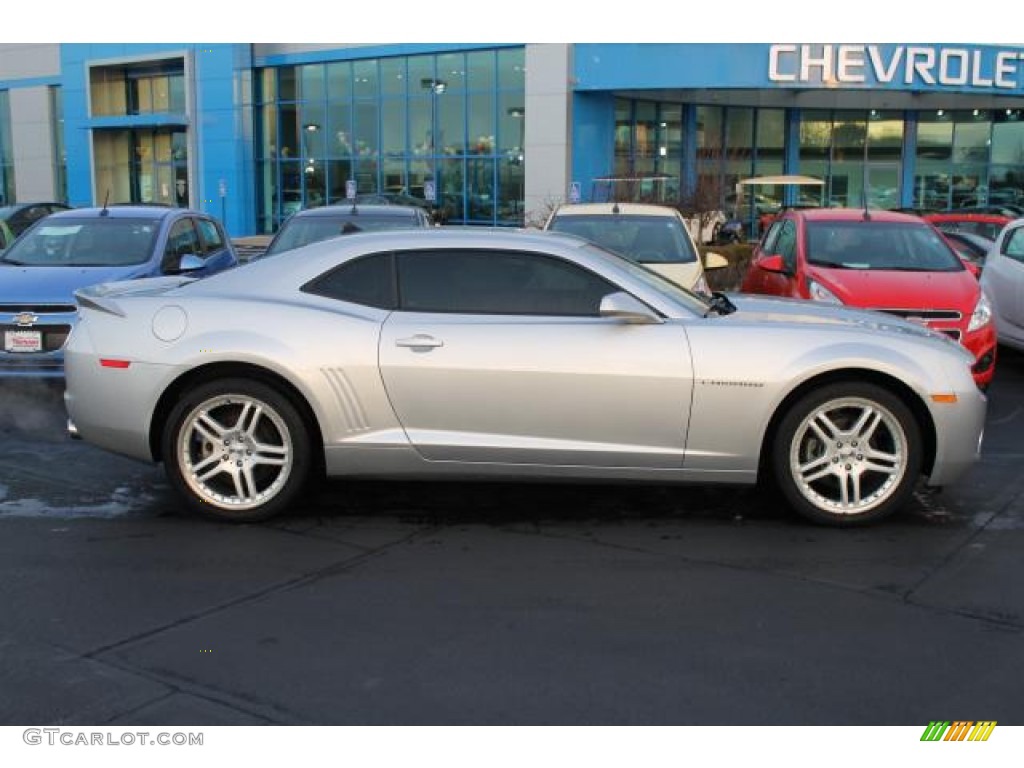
{"x": 482, "y": 354}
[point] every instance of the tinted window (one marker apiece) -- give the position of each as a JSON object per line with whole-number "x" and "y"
{"x": 785, "y": 245}
{"x": 643, "y": 239}
{"x": 1014, "y": 244}
{"x": 497, "y": 283}
{"x": 771, "y": 237}
{"x": 368, "y": 280}
{"x": 93, "y": 242}
{"x": 303, "y": 230}
{"x": 883, "y": 245}
{"x": 181, "y": 240}
{"x": 210, "y": 235}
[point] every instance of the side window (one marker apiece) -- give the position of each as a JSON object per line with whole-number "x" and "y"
{"x": 367, "y": 280}
{"x": 211, "y": 236}
{"x": 181, "y": 240}
{"x": 497, "y": 283}
{"x": 769, "y": 239}
{"x": 785, "y": 245}
{"x": 1013, "y": 246}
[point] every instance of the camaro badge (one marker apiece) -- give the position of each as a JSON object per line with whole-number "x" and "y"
{"x": 25, "y": 319}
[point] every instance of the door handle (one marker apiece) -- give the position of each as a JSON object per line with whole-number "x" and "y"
{"x": 420, "y": 342}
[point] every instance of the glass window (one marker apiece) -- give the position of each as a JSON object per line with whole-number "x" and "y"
{"x": 368, "y": 280}
{"x": 339, "y": 81}
{"x": 643, "y": 239}
{"x": 1014, "y": 245}
{"x": 623, "y": 137}
{"x": 497, "y": 283}
{"x": 392, "y": 77}
{"x": 211, "y": 236}
{"x": 6, "y": 152}
{"x": 366, "y": 78}
{"x": 883, "y": 245}
{"x": 512, "y": 69}
{"x": 393, "y": 124}
{"x": 286, "y": 88}
{"x": 339, "y": 129}
{"x": 182, "y": 240}
{"x": 785, "y": 245}
{"x": 312, "y": 82}
{"x": 91, "y": 242}
{"x": 481, "y": 123}
{"x": 451, "y": 122}
{"x": 451, "y": 70}
{"x": 971, "y": 135}
{"x": 480, "y": 70}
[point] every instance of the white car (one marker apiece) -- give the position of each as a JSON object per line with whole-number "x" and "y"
{"x": 653, "y": 235}
{"x": 1002, "y": 280}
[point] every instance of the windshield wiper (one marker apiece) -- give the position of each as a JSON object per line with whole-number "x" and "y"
{"x": 720, "y": 304}
{"x": 12, "y": 262}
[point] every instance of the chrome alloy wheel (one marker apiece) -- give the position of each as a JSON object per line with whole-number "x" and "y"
{"x": 848, "y": 456}
{"x": 235, "y": 451}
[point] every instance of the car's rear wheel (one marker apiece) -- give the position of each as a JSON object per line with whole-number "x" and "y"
{"x": 237, "y": 450}
{"x": 847, "y": 453}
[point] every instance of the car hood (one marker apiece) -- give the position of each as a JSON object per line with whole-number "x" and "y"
{"x": 44, "y": 285}
{"x": 901, "y": 290}
{"x": 771, "y": 310}
{"x": 680, "y": 274}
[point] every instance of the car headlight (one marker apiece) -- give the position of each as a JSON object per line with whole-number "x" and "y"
{"x": 701, "y": 286}
{"x": 820, "y": 293}
{"x": 982, "y": 314}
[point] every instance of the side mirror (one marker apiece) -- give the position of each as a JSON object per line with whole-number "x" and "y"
{"x": 714, "y": 260}
{"x": 772, "y": 263}
{"x": 624, "y": 307}
{"x": 190, "y": 263}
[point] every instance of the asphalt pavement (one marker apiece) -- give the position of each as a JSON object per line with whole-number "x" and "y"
{"x": 456, "y": 603}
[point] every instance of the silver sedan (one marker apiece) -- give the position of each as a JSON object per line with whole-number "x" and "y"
{"x": 488, "y": 354}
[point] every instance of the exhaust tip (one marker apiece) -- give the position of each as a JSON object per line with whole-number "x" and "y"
{"x": 73, "y": 431}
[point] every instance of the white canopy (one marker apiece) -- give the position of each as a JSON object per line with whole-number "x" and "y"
{"x": 797, "y": 180}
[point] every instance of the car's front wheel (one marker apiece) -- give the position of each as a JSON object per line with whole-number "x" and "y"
{"x": 237, "y": 450}
{"x": 847, "y": 453}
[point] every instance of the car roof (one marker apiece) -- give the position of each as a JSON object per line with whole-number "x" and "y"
{"x": 608, "y": 209}
{"x": 984, "y": 218}
{"x": 853, "y": 214}
{"x": 122, "y": 212}
{"x": 346, "y": 210}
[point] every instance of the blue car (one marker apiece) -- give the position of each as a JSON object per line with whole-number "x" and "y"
{"x": 42, "y": 269}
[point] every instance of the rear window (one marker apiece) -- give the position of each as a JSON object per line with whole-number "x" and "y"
{"x": 300, "y": 231}
{"x": 643, "y": 239}
{"x": 879, "y": 245}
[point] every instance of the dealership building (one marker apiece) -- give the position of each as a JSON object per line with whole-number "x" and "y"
{"x": 495, "y": 134}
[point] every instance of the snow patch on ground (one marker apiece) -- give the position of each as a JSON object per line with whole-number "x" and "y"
{"x": 122, "y": 502}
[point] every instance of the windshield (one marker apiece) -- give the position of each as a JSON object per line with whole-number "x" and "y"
{"x": 663, "y": 285}
{"x": 98, "y": 241}
{"x": 643, "y": 239}
{"x": 879, "y": 245}
{"x": 300, "y": 231}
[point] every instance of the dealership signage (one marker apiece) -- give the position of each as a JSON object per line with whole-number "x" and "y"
{"x": 895, "y": 65}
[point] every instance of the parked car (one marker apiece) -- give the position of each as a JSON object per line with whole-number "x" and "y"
{"x": 509, "y": 355}
{"x": 1003, "y": 282}
{"x": 893, "y": 262}
{"x": 985, "y": 224}
{"x": 653, "y": 235}
{"x": 15, "y": 219}
{"x": 315, "y": 224}
{"x": 970, "y": 247}
{"x": 72, "y": 249}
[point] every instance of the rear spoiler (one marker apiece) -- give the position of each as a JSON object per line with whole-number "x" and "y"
{"x": 102, "y": 297}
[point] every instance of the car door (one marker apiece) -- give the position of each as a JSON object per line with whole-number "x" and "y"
{"x": 503, "y": 357}
{"x": 216, "y": 248}
{"x": 1003, "y": 281}
{"x": 781, "y": 240}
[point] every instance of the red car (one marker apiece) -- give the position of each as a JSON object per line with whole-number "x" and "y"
{"x": 985, "y": 224}
{"x": 882, "y": 260}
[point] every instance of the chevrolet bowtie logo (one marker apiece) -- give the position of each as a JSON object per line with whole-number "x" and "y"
{"x": 25, "y": 319}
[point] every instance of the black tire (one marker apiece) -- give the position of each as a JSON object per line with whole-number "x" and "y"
{"x": 835, "y": 463}
{"x": 228, "y": 468}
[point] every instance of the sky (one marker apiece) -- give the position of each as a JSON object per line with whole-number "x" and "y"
{"x": 528, "y": 21}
